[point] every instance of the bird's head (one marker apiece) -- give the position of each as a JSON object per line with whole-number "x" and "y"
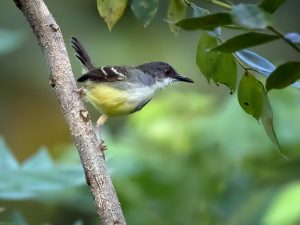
{"x": 163, "y": 73}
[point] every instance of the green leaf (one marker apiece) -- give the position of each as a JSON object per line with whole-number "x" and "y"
{"x": 283, "y": 76}
{"x": 267, "y": 121}
{"x": 270, "y": 5}
{"x": 7, "y": 159}
{"x": 38, "y": 175}
{"x": 251, "y": 95}
{"x": 176, "y": 11}
{"x": 250, "y": 16}
{"x": 246, "y": 40}
{"x": 40, "y": 161}
{"x": 144, "y": 10}
{"x": 111, "y": 11}
{"x": 205, "y": 59}
{"x": 226, "y": 71}
{"x": 220, "y": 67}
{"x": 209, "y": 22}
{"x": 255, "y": 62}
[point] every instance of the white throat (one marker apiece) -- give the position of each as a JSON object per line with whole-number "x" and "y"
{"x": 164, "y": 83}
{"x": 143, "y": 93}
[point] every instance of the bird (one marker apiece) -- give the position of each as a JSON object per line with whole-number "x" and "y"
{"x": 122, "y": 90}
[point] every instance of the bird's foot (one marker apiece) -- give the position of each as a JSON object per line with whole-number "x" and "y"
{"x": 103, "y": 148}
{"x": 81, "y": 91}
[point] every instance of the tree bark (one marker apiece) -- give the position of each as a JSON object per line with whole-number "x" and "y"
{"x": 62, "y": 80}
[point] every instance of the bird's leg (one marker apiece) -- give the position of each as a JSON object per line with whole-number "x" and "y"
{"x": 100, "y": 122}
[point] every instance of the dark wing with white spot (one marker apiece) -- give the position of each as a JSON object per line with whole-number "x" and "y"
{"x": 105, "y": 74}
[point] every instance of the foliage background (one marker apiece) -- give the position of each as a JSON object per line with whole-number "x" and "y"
{"x": 192, "y": 156}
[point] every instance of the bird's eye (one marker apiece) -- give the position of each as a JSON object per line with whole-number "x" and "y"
{"x": 167, "y": 71}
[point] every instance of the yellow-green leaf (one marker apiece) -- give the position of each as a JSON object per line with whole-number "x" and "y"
{"x": 144, "y": 10}
{"x": 251, "y": 95}
{"x": 176, "y": 11}
{"x": 267, "y": 121}
{"x": 226, "y": 72}
{"x": 111, "y": 11}
{"x": 205, "y": 59}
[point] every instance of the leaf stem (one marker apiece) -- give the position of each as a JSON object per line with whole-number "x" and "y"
{"x": 274, "y": 30}
{"x": 188, "y": 2}
{"x": 281, "y": 35}
{"x": 220, "y": 4}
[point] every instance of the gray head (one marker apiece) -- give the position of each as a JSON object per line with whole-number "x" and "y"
{"x": 163, "y": 73}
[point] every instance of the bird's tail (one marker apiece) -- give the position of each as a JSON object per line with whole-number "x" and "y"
{"x": 81, "y": 54}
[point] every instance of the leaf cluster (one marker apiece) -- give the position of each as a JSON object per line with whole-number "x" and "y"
{"x": 255, "y": 21}
{"x": 112, "y": 10}
{"x": 217, "y": 59}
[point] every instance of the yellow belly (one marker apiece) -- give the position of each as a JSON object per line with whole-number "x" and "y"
{"x": 108, "y": 100}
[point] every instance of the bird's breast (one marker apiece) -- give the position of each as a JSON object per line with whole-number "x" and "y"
{"x": 113, "y": 101}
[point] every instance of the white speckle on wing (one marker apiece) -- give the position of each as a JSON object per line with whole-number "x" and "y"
{"x": 103, "y": 70}
{"x": 120, "y": 75}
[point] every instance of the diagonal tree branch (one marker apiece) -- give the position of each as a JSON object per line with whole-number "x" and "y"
{"x": 62, "y": 80}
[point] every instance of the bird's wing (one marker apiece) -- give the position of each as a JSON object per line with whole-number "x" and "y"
{"x": 105, "y": 74}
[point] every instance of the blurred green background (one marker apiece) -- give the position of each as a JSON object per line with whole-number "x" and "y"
{"x": 192, "y": 156}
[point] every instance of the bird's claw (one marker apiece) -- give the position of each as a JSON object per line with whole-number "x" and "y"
{"x": 81, "y": 91}
{"x": 103, "y": 148}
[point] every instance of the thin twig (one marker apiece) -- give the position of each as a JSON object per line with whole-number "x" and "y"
{"x": 281, "y": 35}
{"x": 62, "y": 80}
{"x": 220, "y": 4}
{"x": 188, "y": 3}
{"x": 271, "y": 28}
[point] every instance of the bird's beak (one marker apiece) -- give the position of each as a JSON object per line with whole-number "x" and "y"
{"x": 184, "y": 79}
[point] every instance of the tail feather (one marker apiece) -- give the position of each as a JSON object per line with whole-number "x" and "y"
{"x": 81, "y": 54}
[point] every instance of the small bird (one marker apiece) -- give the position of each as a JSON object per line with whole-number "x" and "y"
{"x": 122, "y": 90}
